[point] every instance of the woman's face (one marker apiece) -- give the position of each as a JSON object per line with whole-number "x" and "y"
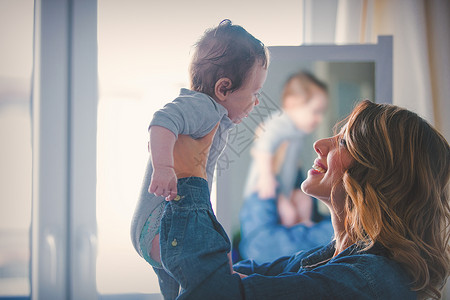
{"x": 333, "y": 159}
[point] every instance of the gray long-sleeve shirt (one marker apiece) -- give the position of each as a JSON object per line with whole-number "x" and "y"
{"x": 191, "y": 113}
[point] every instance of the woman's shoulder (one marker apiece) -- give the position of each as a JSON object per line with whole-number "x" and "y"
{"x": 376, "y": 259}
{"x": 384, "y": 276}
{"x": 317, "y": 274}
{"x": 374, "y": 269}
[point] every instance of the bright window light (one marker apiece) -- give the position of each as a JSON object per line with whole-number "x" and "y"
{"x": 144, "y": 49}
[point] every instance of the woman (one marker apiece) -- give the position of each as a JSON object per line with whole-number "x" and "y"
{"x": 384, "y": 177}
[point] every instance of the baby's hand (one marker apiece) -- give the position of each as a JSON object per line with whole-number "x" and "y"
{"x": 164, "y": 182}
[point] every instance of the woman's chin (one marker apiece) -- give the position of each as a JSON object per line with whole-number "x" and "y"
{"x": 306, "y": 188}
{"x": 313, "y": 189}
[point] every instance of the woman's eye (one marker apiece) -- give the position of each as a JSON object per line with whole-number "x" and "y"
{"x": 342, "y": 142}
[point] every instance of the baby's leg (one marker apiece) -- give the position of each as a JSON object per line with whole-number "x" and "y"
{"x": 146, "y": 243}
{"x": 146, "y": 221}
{"x": 169, "y": 287}
{"x": 154, "y": 251}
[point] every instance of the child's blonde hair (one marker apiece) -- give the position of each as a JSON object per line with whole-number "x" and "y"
{"x": 225, "y": 51}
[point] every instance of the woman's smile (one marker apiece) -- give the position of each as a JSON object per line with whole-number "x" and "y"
{"x": 318, "y": 168}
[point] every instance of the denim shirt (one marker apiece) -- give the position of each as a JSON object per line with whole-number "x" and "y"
{"x": 194, "y": 249}
{"x": 260, "y": 223}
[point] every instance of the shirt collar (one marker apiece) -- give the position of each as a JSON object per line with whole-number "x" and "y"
{"x": 225, "y": 121}
{"x": 325, "y": 254}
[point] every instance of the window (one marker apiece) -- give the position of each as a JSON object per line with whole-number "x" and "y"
{"x": 143, "y": 61}
{"x": 16, "y": 37}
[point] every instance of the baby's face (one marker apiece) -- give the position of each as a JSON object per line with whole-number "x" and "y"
{"x": 240, "y": 102}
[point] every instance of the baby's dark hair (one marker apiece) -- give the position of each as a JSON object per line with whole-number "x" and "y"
{"x": 225, "y": 51}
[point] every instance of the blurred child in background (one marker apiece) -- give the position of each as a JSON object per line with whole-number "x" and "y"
{"x": 277, "y": 218}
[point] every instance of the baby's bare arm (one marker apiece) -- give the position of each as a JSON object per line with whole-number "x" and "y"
{"x": 266, "y": 185}
{"x": 164, "y": 179}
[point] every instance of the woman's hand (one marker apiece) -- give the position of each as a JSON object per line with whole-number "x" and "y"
{"x": 190, "y": 156}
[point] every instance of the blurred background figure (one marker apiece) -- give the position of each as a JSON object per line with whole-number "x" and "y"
{"x": 277, "y": 218}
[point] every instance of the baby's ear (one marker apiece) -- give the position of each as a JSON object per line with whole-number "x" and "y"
{"x": 222, "y": 88}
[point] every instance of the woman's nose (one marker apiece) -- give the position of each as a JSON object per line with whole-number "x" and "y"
{"x": 257, "y": 101}
{"x": 320, "y": 146}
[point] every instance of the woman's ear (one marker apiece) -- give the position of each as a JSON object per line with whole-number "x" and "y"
{"x": 222, "y": 88}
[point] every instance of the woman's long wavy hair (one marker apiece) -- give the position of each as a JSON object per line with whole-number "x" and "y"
{"x": 398, "y": 191}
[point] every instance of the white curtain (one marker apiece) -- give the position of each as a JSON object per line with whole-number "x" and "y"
{"x": 421, "y": 45}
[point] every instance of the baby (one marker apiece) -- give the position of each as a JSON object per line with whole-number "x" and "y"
{"x": 227, "y": 71}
